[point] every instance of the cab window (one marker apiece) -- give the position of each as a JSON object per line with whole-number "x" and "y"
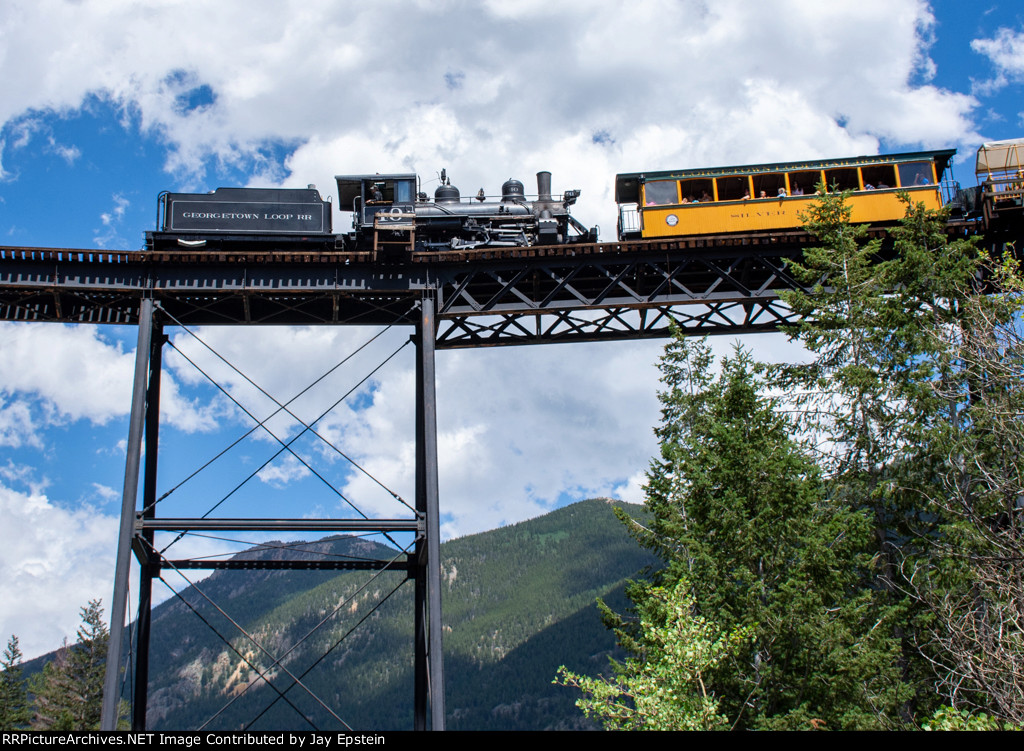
{"x": 404, "y": 191}
{"x": 389, "y": 191}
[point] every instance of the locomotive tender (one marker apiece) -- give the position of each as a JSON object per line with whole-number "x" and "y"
{"x": 390, "y": 218}
{"x": 289, "y": 217}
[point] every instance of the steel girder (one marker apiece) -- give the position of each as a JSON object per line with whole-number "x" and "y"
{"x": 730, "y": 291}
{"x": 625, "y": 294}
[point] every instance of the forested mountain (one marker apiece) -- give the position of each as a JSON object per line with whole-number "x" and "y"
{"x": 517, "y": 601}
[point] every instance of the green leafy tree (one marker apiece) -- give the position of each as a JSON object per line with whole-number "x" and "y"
{"x": 662, "y": 687}
{"x": 947, "y": 718}
{"x": 740, "y": 511}
{"x": 69, "y": 691}
{"x": 14, "y": 707}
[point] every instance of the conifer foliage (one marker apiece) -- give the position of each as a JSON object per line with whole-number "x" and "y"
{"x": 917, "y": 385}
{"x": 14, "y": 707}
{"x": 740, "y": 511}
{"x": 865, "y": 535}
{"x": 69, "y": 691}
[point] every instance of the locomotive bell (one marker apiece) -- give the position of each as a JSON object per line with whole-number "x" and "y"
{"x": 512, "y": 191}
{"x": 446, "y": 194}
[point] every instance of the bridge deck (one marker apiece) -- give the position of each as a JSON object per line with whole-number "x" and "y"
{"x": 613, "y": 290}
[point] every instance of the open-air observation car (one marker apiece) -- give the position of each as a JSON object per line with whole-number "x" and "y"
{"x": 769, "y": 197}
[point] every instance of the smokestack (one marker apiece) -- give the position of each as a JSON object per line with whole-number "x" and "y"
{"x": 543, "y": 186}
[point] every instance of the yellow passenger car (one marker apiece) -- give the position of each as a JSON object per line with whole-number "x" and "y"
{"x": 769, "y": 197}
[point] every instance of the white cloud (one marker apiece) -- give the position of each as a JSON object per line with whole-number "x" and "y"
{"x": 108, "y": 235}
{"x": 1006, "y": 52}
{"x": 516, "y": 426}
{"x": 117, "y": 213}
{"x": 283, "y": 470}
{"x": 16, "y": 424}
{"x": 322, "y": 76}
{"x": 53, "y": 561}
{"x": 72, "y": 368}
{"x": 68, "y": 153}
{"x": 74, "y": 373}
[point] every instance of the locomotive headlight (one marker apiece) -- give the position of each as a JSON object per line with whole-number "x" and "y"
{"x": 671, "y": 220}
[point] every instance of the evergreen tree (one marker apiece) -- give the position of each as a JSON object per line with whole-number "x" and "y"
{"x": 14, "y": 708}
{"x": 740, "y": 511}
{"x": 915, "y": 388}
{"x": 69, "y": 691}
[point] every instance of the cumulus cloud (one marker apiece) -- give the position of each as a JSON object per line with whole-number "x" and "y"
{"x": 56, "y": 558}
{"x": 724, "y": 82}
{"x": 517, "y": 427}
{"x": 53, "y": 561}
{"x": 67, "y": 373}
{"x": 16, "y": 424}
{"x": 1006, "y": 52}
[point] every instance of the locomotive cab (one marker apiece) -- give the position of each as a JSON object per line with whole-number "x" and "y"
{"x": 383, "y": 210}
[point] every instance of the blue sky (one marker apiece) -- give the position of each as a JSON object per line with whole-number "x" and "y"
{"x": 105, "y": 104}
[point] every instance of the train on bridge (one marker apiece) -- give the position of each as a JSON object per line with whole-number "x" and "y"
{"x": 392, "y": 218}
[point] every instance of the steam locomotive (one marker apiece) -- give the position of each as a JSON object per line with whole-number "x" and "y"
{"x": 391, "y": 218}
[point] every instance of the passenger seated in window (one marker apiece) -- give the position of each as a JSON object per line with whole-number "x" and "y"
{"x": 762, "y": 194}
{"x": 782, "y": 193}
{"x": 797, "y": 190}
{"x": 705, "y": 197}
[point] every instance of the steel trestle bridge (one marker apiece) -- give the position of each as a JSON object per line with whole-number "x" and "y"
{"x": 727, "y": 284}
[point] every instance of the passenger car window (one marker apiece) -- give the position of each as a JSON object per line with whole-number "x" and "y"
{"x": 660, "y": 193}
{"x": 915, "y": 173}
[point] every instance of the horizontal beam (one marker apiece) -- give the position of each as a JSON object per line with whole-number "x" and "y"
{"x": 256, "y": 565}
{"x": 257, "y": 525}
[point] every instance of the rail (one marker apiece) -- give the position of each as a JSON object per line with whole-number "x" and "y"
{"x": 213, "y": 257}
